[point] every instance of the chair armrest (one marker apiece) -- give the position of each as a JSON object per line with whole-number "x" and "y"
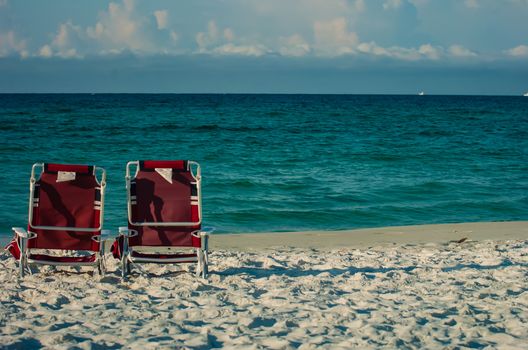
{"x": 207, "y": 229}
{"x": 106, "y": 234}
{"x": 103, "y": 237}
{"x": 125, "y": 231}
{"x": 22, "y": 233}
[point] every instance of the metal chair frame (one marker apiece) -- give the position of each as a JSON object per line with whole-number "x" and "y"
{"x": 25, "y": 235}
{"x": 202, "y": 253}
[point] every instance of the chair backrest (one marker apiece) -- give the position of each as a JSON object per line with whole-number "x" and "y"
{"x": 66, "y": 207}
{"x": 164, "y": 202}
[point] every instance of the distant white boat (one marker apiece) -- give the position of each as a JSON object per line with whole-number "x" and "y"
{"x": 421, "y": 93}
{"x": 525, "y": 94}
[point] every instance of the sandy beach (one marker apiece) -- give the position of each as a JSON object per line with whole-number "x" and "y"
{"x": 434, "y": 286}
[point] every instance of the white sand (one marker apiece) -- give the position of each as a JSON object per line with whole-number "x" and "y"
{"x": 393, "y": 294}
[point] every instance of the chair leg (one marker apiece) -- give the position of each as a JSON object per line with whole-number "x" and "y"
{"x": 124, "y": 266}
{"x": 203, "y": 257}
{"x": 199, "y": 265}
{"x": 205, "y": 267}
{"x": 21, "y": 265}
{"x": 22, "y": 260}
{"x": 102, "y": 258}
{"x": 100, "y": 267}
{"x": 201, "y": 269}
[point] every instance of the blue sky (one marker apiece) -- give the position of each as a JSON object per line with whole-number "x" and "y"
{"x": 287, "y": 46}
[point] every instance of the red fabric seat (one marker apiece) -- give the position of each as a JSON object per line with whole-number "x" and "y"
{"x": 73, "y": 203}
{"x": 181, "y": 258}
{"x": 63, "y": 259}
{"x": 159, "y": 201}
{"x": 136, "y": 254}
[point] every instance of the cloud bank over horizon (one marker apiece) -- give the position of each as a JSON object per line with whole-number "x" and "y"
{"x": 470, "y": 34}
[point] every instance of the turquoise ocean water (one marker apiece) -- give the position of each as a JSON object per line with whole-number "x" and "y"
{"x": 286, "y": 162}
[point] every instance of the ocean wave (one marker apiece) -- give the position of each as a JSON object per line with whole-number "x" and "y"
{"x": 212, "y": 127}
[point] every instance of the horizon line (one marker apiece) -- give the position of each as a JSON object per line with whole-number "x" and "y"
{"x": 258, "y": 93}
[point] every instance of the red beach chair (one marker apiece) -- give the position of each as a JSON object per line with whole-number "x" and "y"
{"x": 164, "y": 213}
{"x": 65, "y": 214}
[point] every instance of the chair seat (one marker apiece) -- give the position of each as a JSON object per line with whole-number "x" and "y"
{"x": 62, "y": 260}
{"x": 163, "y": 258}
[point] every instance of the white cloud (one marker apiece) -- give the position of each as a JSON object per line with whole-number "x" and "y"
{"x": 518, "y": 51}
{"x": 327, "y": 28}
{"x": 404, "y": 53}
{"x": 119, "y": 28}
{"x": 392, "y": 4}
{"x": 10, "y": 44}
{"x": 373, "y": 48}
{"x": 426, "y": 51}
{"x": 429, "y": 51}
{"x": 206, "y": 39}
{"x": 220, "y": 41}
{"x": 229, "y": 35}
{"x": 332, "y": 38}
{"x": 461, "y": 51}
{"x": 162, "y": 17}
{"x": 396, "y": 52}
{"x": 69, "y": 53}
{"x": 46, "y": 51}
{"x": 242, "y": 50}
{"x": 61, "y": 39}
{"x": 97, "y": 31}
{"x": 65, "y": 42}
{"x": 68, "y": 37}
{"x": 294, "y": 45}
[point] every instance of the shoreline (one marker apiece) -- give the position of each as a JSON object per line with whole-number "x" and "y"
{"x": 365, "y": 237}
{"x": 368, "y": 237}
